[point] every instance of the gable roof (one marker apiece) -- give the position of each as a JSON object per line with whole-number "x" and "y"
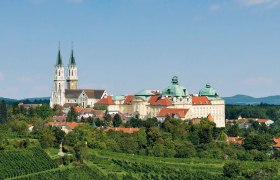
{"x": 200, "y": 100}
{"x": 173, "y": 111}
{"x": 73, "y": 93}
{"x": 160, "y": 101}
{"x": 128, "y": 99}
{"x": 91, "y": 93}
{"x": 94, "y": 93}
{"x": 105, "y": 101}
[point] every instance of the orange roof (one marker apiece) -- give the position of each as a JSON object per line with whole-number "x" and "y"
{"x": 236, "y": 140}
{"x": 160, "y": 101}
{"x": 277, "y": 142}
{"x": 124, "y": 130}
{"x": 78, "y": 109}
{"x": 106, "y": 101}
{"x": 200, "y": 100}
{"x": 172, "y": 111}
{"x": 128, "y": 99}
{"x": 210, "y": 117}
{"x": 71, "y": 125}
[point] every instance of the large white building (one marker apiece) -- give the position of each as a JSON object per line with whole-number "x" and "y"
{"x": 71, "y": 95}
{"x": 174, "y": 100}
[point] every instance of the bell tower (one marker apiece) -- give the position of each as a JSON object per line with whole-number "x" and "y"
{"x": 72, "y": 77}
{"x": 58, "y": 94}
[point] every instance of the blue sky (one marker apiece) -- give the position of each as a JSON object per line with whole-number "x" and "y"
{"x": 128, "y": 45}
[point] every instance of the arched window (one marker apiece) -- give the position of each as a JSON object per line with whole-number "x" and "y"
{"x": 59, "y": 86}
{"x": 72, "y": 72}
{"x": 58, "y": 73}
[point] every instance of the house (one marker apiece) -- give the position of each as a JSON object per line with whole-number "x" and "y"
{"x": 172, "y": 112}
{"x": 28, "y": 106}
{"x": 237, "y": 140}
{"x": 65, "y": 126}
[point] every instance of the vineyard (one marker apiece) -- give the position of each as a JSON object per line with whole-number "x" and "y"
{"x": 110, "y": 165}
{"x": 21, "y": 162}
{"x": 75, "y": 173}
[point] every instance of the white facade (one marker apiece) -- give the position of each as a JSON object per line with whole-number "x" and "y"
{"x": 71, "y": 95}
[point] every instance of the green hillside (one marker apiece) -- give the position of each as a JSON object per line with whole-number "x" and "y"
{"x": 246, "y": 100}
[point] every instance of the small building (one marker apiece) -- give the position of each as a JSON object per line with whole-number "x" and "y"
{"x": 237, "y": 140}
{"x": 65, "y": 126}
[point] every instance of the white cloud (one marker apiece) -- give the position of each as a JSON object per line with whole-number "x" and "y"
{"x": 259, "y": 2}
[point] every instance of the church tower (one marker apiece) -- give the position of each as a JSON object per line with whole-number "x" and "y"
{"x": 72, "y": 77}
{"x": 58, "y": 94}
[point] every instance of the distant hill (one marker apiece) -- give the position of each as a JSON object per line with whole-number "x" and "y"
{"x": 249, "y": 100}
{"x": 37, "y": 100}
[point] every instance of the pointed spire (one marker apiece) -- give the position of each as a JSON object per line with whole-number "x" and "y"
{"x": 59, "y": 59}
{"x": 72, "y": 58}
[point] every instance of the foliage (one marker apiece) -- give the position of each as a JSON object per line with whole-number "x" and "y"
{"x": 16, "y": 163}
{"x": 3, "y": 112}
{"x": 117, "y": 120}
{"x": 72, "y": 115}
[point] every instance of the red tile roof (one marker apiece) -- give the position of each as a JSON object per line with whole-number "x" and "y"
{"x": 200, "y": 100}
{"x": 160, "y": 101}
{"x": 71, "y": 125}
{"x": 277, "y": 142}
{"x": 106, "y": 101}
{"x": 236, "y": 140}
{"x": 128, "y": 99}
{"x": 124, "y": 130}
{"x": 78, "y": 109}
{"x": 172, "y": 111}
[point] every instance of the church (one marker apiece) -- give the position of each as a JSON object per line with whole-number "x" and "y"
{"x": 174, "y": 100}
{"x": 70, "y": 95}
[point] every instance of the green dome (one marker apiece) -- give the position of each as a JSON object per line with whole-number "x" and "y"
{"x": 145, "y": 93}
{"x": 175, "y": 89}
{"x": 208, "y": 91}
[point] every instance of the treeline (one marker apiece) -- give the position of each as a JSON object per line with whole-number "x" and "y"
{"x": 258, "y": 111}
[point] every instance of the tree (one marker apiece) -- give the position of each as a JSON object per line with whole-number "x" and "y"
{"x": 72, "y": 115}
{"x": 59, "y": 135}
{"x": 261, "y": 142}
{"x": 47, "y": 137}
{"x": 150, "y": 122}
{"x": 3, "y": 112}
{"x": 20, "y": 127}
{"x": 44, "y": 111}
{"x": 108, "y": 120}
{"x": 184, "y": 149}
{"x": 232, "y": 169}
{"x": 134, "y": 122}
{"x": 117, "y": 120}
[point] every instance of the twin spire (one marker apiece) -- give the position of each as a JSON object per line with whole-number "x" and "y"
{"x": 72, "y": 58}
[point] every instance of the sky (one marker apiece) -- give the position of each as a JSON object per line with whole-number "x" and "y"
{"x": 125, "y": 46}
